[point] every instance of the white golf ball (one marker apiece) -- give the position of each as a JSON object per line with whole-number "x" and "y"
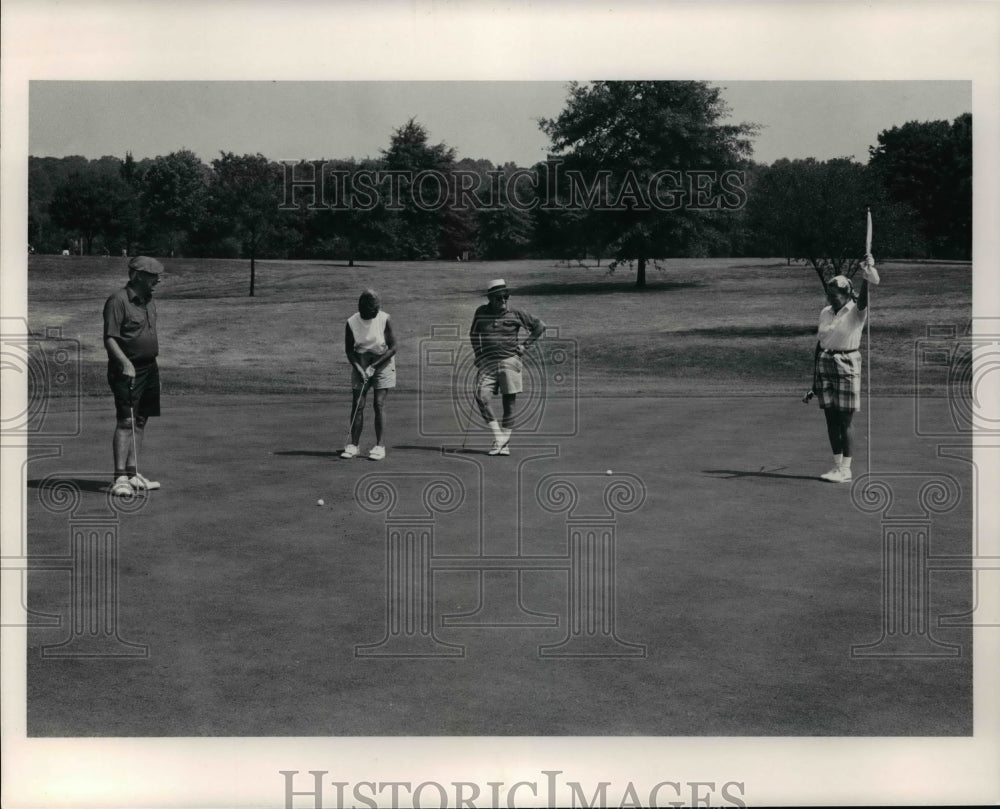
{"x": 609, "y": 472}
{"x": 319, "y": 502}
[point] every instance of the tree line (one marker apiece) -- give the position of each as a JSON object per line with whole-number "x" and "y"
{"x": 638, "y": 171}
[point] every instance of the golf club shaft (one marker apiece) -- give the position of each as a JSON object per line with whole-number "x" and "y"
{"x": 135, "y": 447}
{"x": 357, "y": 409}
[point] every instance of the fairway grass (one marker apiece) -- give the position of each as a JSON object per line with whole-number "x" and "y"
{"x": 700, "y": 327}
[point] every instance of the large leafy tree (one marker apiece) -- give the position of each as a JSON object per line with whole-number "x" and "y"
{"x": 174, "y": 191}
{"x": 420, "y": 226}
{"x": 92, "y": 204}
{"x": 352, "y": 227}
{"x": 814, "y": 211}
{"x": 503, "y": 231}
{"x": 634, "y": 131}
{"x": 129, "y": 225}
{"x": 74, "y": 207}
{"x": 244, "y": 196}
{"x": 928, "y": 165}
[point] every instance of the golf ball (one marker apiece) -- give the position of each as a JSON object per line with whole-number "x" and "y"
{"x": 319, "y": 502}
{"x": 609, "y": 472}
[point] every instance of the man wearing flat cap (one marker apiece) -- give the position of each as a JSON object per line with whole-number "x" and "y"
{"x": 498, "y": 347}
{"x": 131, "y": 342}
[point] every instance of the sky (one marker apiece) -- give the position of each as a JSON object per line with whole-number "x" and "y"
{"x": 498, "y": 121}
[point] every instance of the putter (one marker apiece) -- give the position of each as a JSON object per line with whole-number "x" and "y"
{"x": 131, "y": 412}
{"x": 357, "y": 409}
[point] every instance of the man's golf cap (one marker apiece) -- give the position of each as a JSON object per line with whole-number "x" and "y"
{"x": 841, "y": 282}
{"x": 145, "y": 264}
{"x": 497, "y": 287}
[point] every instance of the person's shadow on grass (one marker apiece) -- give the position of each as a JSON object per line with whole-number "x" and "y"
{"x": 733, "y": 474}
{"x": 442, "y": 449}
{"x": 80, "y": 484}
{"x": 310, "y": 453}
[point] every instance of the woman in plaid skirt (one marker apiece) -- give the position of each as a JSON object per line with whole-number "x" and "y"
{"x": 838, "y": 364}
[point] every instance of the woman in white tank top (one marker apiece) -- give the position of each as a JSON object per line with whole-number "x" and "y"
{"x": 370, "y": 346}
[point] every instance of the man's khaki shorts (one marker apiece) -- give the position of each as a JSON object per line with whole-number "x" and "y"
{"x": 500, "y": 376}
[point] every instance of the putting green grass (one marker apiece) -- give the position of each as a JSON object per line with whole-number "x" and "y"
{"x": 746, "y": 579}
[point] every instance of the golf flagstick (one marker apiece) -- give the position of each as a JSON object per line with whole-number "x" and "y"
{"x": 868, "y": 340}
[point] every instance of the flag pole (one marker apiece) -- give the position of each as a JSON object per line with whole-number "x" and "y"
{"x": 868, "y": 340}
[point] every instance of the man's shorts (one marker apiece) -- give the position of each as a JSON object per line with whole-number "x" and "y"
{"x": 385, "y": 377}
{"x": 144, "y": 393}
{"x": 500, "y": 376}
{"x": 840, "y": 380}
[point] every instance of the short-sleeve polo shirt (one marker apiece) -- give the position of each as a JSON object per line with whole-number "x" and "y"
{"x": 498, "y": 333}
{"x": 131, "y": 321}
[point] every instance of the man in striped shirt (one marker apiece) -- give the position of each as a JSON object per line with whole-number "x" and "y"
{"x": 498, "y": 347}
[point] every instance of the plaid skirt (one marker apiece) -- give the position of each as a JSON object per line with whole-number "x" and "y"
{"x": 839, "y": 380}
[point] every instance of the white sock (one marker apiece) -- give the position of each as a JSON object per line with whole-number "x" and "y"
{"x": 495, "y": 427}
{"x": 838, "y": 460}
{"x": 846, "y": 464}
{"x": 506, "y": 433}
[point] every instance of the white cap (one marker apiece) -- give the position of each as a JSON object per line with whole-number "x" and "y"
{"x": 496, "y": 285}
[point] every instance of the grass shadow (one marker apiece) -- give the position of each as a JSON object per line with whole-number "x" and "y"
{"x": 603, "y": 288}
{"x": 754, "y": 331}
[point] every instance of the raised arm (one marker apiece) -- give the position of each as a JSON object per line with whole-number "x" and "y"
{"x": 868, "y": 274}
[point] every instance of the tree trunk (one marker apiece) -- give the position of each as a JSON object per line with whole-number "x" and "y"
{"x": 640, "y": 273}
{"x": 819, "y": 272}
{"x": 252, "y": 273}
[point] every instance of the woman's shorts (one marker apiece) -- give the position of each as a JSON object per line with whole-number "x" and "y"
{"x": 500, "y": 376}
{"x": 385, "y": 377}
{"x": 840, "y": 380}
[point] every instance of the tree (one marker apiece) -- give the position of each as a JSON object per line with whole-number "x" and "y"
{"x": 814, "y": 211}
{"x": 244, "y": 196}
{"x": 503, "y": 232}
{"x": 420, "y": 231}
{"x": 174, "y": 191}
{"x": 350, "y": 229}
{"x": 130, "y": 213}
{"x": 91, "y": 204}
{"x": 928, "y": 165}
{"x": 641, "y": 137}
{"x": 74, "y": 207}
